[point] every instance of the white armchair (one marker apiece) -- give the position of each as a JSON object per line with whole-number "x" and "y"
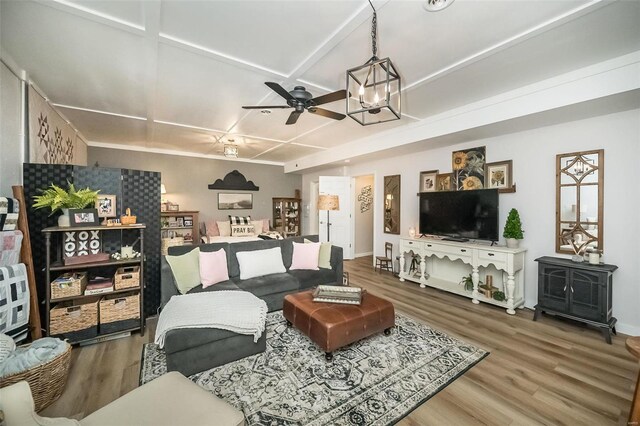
{"x": 171, "y": 399}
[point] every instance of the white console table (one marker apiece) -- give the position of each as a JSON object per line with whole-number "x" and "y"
{"x": 443, "y": 264}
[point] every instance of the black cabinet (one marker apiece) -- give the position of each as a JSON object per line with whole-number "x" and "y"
{"x": 580, "y": 291}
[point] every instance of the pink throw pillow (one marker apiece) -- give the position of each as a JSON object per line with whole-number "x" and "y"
{"x": 212, "y": 229}
{"x": 213, "y": 267}
{"x": 305, "y": 256}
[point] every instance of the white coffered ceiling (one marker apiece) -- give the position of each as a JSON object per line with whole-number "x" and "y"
{"x": 173, "y": 75}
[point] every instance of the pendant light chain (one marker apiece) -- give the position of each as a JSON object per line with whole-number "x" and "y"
{"x": 374, "y": 32}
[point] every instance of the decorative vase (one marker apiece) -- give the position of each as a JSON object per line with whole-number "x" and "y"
{"x": 512, "y": 243}
{"x": 577, "y": 258}
{"x": 412, "y": 232}
{"x": 63, "y": 219}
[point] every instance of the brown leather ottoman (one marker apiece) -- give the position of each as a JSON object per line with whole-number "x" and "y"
{"x": 334, "y": 325}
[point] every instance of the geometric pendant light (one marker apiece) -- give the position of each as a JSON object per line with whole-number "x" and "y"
{"x": 374, "y": 88}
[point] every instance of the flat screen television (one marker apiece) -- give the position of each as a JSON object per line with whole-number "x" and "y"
{"x": 460, "y": 214}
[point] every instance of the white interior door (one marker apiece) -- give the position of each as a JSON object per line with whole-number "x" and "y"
{"x": 340, "y": 225}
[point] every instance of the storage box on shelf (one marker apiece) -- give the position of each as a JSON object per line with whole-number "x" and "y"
{"x": 119, "y": 312}
{"x": 178, "y": 228}
{"x": 75, "y": 320}
{"x": 127, "y": 277}
{"x": 75, "y": 315}
{"x": 68, "y": 285}
{"x": 286, "y": 216}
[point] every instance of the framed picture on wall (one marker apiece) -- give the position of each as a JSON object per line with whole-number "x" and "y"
{"x": 499, "y": 175}
{"x": 229, "y": 201}
{"x": 443, "y": 182}
{"x": 428, "y": 181}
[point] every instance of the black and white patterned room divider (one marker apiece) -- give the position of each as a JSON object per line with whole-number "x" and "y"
{"x": 135, "y": 189}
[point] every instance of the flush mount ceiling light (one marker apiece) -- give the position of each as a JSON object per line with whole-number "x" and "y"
{"x": 436, "y": 5}
{"x": 374, "y": 87}
{"x": 230, "y": 151}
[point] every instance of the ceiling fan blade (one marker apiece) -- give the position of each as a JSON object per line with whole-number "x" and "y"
{"x": 326, "y": 113}
{"x": 330, "y": 97}
{"x": 266, "y": 106}
{"x": 293, "y": 117}
{"x": 279, "y": 90}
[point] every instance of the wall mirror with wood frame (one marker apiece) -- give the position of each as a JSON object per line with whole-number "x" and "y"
{"x": 579, "y": 201}
{"x": 392, "y": 204}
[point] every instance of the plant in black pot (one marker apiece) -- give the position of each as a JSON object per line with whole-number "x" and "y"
{"x": 59, "y": 199}
{"x": 513, "y": 229}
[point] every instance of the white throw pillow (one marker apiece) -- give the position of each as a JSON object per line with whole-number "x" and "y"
{"x": 258, "y": 226}
{"x": 258, "y": 263}
{"x": 242, "y": 231}
{"x": 224, "y": 228}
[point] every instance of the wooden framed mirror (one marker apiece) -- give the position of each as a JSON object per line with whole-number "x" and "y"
{"x": 579, "y": 201}
{"x": 392, "y": 204}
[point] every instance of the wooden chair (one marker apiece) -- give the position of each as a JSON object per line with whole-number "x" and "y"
{"x": 385, "y": 261}
{"x": 633, "y": 346}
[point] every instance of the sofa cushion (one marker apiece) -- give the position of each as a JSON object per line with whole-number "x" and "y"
{"x": 213, "y": 267}
{"x": 186, "y": 269}
{"x": 267, "y": 284}
{"x": 224, "y": 227}
{"x": 257, "y": 263}
{"x": 305, "y": 256}
{"x": 324, "y": 258}
{"x": 212, "y": 229}
{"x": 243, "y": 230}
{"x": 221, "y": 286}
{"x": 234, "y": 267}
{"x": 309, "y": 278}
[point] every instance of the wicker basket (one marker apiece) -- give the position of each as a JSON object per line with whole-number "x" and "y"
{"x": 46, "y": 380}
{"x": 74, "y": 287}
{"x": 67, "y": 317}
{"x": 119, "y": 307}
{"x": 127, "y": 277}
{"x": 170, "y": 242}
{"x": 128, "y": 219}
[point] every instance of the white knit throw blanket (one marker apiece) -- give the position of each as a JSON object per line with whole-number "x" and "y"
{"x": 237, "y": 311}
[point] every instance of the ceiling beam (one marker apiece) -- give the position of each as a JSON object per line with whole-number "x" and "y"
{"x": 152, "y": 9}
{"x": 94, "y": 15}
{"x": 607, "y": 78}
{"x": 511, "y": 41}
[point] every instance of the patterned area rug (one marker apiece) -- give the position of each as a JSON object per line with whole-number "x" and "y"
{"x": 376, "y": 381}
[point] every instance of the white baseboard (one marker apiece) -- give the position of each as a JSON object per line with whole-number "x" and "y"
{"x": 369, "y": 253}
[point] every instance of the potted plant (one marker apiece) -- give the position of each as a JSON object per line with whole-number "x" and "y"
{"x": 513, "y": 229}
{"x": 59, "y": 199}
{"x": 467, "y": 282}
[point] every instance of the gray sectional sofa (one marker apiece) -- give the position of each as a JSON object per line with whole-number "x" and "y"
{"x": 193, "y": 350}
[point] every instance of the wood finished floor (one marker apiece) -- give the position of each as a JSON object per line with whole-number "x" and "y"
{"x": 546, "y": 372}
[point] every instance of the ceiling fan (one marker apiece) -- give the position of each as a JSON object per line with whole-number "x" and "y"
{"x": 300, "y": 99}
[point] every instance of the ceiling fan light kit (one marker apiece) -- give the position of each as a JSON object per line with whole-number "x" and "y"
{"x": 374, "y": 87}
{"x": 436, "y": 5}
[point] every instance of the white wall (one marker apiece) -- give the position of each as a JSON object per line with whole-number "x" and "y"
{"x": 533, "y": 153}
{"x": 11, "y": 132}
{"x": 363, "y": 221}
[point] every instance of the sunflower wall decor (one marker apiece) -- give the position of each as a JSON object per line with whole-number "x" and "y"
{"x": 468, "y": 169}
